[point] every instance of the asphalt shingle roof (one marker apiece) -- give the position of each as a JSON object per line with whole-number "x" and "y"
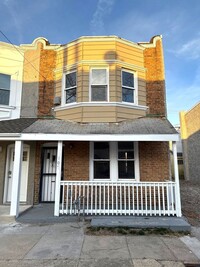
{"x": 145, "y": 125}
{"x": 15, "y": 126}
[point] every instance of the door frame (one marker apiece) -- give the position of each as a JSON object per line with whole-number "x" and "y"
{"x": 8, "y": 157}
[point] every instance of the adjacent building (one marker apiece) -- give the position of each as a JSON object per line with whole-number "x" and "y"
{"x": 190, "y": 135}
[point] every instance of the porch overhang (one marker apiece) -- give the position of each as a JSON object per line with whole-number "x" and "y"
{"x": 89, "y": 137}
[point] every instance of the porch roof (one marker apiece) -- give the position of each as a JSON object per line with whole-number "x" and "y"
{"x": 145, "y": 128}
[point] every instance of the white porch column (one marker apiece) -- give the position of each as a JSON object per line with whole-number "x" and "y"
{"x": 16, "y": 179}
{"x": 176, "y": 175}
{"x": 58, "y": 178}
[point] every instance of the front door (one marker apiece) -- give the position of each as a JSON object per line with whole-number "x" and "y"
{"x": 48, "y": 176}
{"x": 24, "y": 174}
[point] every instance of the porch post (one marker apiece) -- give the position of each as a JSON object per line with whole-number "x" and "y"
{"x": 16, "y": 180}
{"x": 58, "y": 179}
{"x": 176, "y": 175}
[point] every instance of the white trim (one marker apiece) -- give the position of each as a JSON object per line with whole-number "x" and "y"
{"x": 107, "y": 83}
{"x": 14, "y": 207}
{"x": 100, "y": 63}
{"x": 64, "y": 89}
{"x": 151, "y": 44}
{"x": 176, "y": 175}
{"x": 114, "y": 163}
{"x": 90, "y": 137}
{"x": 58, "y": 178}
{"x": 101, "y": 104}
{"x": 100, "y": 39}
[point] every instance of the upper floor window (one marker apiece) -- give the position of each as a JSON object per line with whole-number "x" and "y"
{"x": 70, "y": 87}
{"x": 99, "y": 85}
{"x": 128, "y": 87}
{"x": 4, "y": 89}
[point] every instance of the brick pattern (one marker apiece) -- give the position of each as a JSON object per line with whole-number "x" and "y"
{"x": 155, "y": 80}
{"x": 46, "y": 81}
{"x": 154, "y": 161}
{"x": 76, "y": 161}
{"x": 37, "y": 175}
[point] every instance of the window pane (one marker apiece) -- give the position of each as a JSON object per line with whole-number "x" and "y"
{"x": 99, "y": 76}
{"x": 101, "y": 150}
{"x": 127, "y": 95}
{"x": 71, "y": 95}
{"x": 127, "y": 79}
{"x": 101, "y": 169}
{"x": 125, "y": 145}
{"x": 4, "y": 81}
{"x": 70, "y": 80}
{"x": 4, "y": 97}
{"x": 99, "y": 93}
{"x": 126, "y": 169}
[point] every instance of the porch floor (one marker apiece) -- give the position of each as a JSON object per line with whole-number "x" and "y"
{"x": 44, "y": 214}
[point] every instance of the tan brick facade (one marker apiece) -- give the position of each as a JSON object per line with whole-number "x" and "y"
{"x": 154, "y": 161}
{"x": 46, "y": 84}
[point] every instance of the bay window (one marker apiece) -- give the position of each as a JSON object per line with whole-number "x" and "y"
{"x": 70, "y": 87}
{"x": 128, "y": 87}
{"x": 99, "y": 84}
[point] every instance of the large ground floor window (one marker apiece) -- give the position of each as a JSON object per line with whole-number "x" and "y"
{"x": 114, "y": 161}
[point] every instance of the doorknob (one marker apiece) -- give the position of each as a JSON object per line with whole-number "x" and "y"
{"x": 9, "y": 174}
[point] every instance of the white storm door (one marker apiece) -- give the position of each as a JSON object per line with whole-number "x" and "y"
{"x": 24, "y": 174}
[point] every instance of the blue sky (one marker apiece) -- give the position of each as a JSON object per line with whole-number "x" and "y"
{"x": 61, "y": 21}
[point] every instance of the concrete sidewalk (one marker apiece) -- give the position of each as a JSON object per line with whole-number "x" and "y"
{"x": 66, "y": 245}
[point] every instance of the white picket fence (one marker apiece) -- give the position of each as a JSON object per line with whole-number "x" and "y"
{"x": 118, "y": 198}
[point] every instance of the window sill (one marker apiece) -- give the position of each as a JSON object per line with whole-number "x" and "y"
{"x": 5, "y": 107}
{"x": 100, "y": 104}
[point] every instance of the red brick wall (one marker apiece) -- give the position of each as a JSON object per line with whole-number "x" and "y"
{"x": 76, "y": 161}
{"x": 154, "y": 161}
{"x": 155, "y": 79}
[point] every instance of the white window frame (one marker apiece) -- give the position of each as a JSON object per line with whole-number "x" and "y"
{"x": 65, "y": 89}
{"x": 135, "y": 88}
{"x": 114, "y": 163}
{"x": 90, "y": 84}
{"x": 5, "y": 89}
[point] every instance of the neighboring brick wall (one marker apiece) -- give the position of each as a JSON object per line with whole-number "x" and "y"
{"x": 155, "y": 79}
{"x": 76, "y": 161}
{"x": 154, "y": 161}
{"x": 46, "y": 81}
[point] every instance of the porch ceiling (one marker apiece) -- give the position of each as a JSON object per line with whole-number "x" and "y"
{"x": 141, "y": 129}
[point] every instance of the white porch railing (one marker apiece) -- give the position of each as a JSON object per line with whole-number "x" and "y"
{"x": 118, "y": 198}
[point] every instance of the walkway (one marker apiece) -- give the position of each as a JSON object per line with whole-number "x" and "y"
{"x": 67, "y": 245}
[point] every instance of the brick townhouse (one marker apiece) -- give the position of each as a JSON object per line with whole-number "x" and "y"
{"x": 92, "y": 134}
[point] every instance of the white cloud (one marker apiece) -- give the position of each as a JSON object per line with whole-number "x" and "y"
{"x": 104, "y": 7}
{"x": 189, "y": 50}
